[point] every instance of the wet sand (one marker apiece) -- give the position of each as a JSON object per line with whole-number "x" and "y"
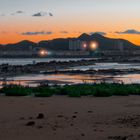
{"x": 65, "y": 118}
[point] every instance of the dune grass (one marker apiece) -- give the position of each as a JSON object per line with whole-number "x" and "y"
{"x": 96, "y": 90}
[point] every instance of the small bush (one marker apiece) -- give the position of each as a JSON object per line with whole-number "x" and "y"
{"x": 99, "y": 92}
{"x": 74, "y": 93}
{"x": 43, "y": 92}
{"x": 121, "y": 92}
{"x": 61, "y": 91}
{"x": 15, "y": 90}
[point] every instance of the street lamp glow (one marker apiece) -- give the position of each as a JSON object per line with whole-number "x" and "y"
{"x": 93, "y": 45}
{"x": 43, "y": 53}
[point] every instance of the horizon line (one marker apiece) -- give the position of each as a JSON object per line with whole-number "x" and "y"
{"x": 3, "y": 44}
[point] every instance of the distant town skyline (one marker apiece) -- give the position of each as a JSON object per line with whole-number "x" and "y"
{"x": 37, "y": 20}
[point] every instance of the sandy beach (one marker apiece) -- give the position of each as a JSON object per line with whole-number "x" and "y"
{"x": 65, "y": 118}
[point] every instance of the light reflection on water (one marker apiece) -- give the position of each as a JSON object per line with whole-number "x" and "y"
{"x": 34, "y": 80}
{"x": 129, "y": 78}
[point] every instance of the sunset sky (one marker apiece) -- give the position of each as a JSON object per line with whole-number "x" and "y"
{"x": 37, "y": 20}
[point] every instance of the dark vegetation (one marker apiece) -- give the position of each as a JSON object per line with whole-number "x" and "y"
{"x": 97, "y": 90}
{"x": 16, "y": 90}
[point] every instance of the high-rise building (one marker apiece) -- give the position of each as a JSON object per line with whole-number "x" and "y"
{"x": 77, "y": 45}
{"x": 119, "y": 45}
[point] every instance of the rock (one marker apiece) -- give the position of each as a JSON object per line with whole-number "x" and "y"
{"x": 90, "y": 111}
{"x": 71, "y": 124}
{"x": 30, "y": 118}
{"x": 60, "y": 116}
{"x": 75, "y": 112}
{"x": 40, "y": 116}
{"x": 30, "y": 123}
{"x": 74, "y": 116}
{"x": 39, "y": 127}
{"x": 82, "y": 134}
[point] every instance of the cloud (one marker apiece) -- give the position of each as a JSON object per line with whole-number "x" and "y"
{"x": 64, "y": 32}
{"x": 38, "y": 33}
{"x": 129, "y": 31}
{"x": 50, "y": 14}
{"x": 40, "y": 14}
{"x": 101, "y": 33}
{"x": 17, "y": 12}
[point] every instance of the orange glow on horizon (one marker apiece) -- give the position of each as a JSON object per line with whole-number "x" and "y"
{"x": 14, "y": 38}
{"x": 12, "y": 27}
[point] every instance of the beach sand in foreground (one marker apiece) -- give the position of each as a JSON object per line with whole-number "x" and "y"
{"x": 65, "y": 118}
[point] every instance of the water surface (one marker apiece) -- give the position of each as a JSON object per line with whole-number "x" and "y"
{"x": 25, "y": 61}
{"x": 34, "y": 80}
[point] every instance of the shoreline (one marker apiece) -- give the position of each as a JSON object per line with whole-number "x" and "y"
{"x": 66, "y": 67}
{"x": 83, "y": 77}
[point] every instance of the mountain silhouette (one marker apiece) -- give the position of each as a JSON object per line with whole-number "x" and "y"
{"x": 105, "y": 43}
{"x": 84, "y": 37}
{"x": 22, "y": 45}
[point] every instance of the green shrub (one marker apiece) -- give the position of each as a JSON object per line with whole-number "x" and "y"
{"x": 44, "y": 92}
{"x": 122, "y": 91}
{"x": 61, "y": 91}
{"x": 15, "y": 90}
{"x": 134, "y": 89}
{"x": 97, "y": 90}
{"x": 102, "y": 92}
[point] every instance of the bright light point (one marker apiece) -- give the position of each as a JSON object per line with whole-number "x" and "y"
{"x": 94, "y": 45}
{"x": 84, "y": 45}
{"x": 43, "y": 53}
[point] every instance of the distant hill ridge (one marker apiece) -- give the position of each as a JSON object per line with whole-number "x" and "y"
{"x": 105, "y": 43}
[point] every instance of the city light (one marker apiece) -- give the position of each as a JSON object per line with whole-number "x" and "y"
{"x": 93, "y": 45}
{"x": 43, "y": 53}
{"x": 85, "y": 45}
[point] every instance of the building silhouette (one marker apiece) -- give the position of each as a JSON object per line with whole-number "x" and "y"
{"x": 77, "y": 45}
